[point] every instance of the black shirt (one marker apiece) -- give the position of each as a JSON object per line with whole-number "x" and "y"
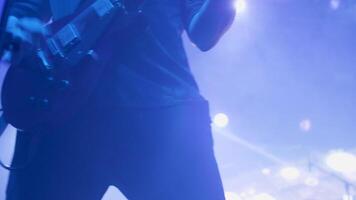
{"x": 153, "y": 69}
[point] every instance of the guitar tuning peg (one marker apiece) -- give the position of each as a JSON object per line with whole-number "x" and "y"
{"x": 50, "y": 79}
{"x": 92, "y": 54}
{"x": 44, "y": 103}
{"x": 32, "y": 99}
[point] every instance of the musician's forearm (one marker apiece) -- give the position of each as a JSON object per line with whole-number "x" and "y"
{"x": 210, "y": 23}
{"x": 28, "y": 8}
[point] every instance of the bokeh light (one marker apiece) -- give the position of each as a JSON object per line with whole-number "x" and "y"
{"x": 266, "y": 171}
{"x": 264, "y": 196}
{"x": 251, "y": 191}
{"x": 221, "y": 120}
{"x": 290, "y": 173}
{"x": 305, "y": 125}
{"x": 335, "y": 4}
{"x": 232, "y": 196}
{"x": 311, "y": 181}
{"x": 341, "y": 161}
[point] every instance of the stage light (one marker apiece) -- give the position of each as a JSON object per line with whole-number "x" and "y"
{"x": 341, "y": 161}
{"x": 221, "y": 120}
{"x": 240, "y": 6}
{"x": 290, "y": 173}
{"x": 264, "y": 196}
{"x": 231, "y": 196}
{"x": 305, "y": 125}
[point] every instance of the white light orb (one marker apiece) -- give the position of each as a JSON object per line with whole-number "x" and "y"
{"x": 290, "y": 173}
{"x": 341, "y": 161}
{"x": 264, "y": 196}
{"x": 243, "y": 195}
{"x": 231, "y": 196}
{"x": 311, "y": 181}
{"x": 266, "y": 171}
{"x": 221, "y": 120}
{"x": 240, "y": 6}
{"x": 251, "y": 191}
{"x": 347, "y": 197}
{"x": 305, "y": 125}
{"x": 335, "y": 4}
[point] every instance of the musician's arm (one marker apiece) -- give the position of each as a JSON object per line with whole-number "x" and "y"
{"x": 29, "y": 8}
{"x": 25, "y": 18}
{"x": 208, "y": 20}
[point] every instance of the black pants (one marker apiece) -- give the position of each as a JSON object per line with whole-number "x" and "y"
{"x": 149, "y": 154}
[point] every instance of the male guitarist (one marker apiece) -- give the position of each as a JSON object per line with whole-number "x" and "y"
{"x": 146, "y": 128}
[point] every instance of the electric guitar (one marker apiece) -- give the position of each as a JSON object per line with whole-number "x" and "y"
{"x": 56, "y": 75}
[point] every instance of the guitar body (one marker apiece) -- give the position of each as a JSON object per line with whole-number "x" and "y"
{"x": 46, "y": 88}
{"x": 33, "y": 99}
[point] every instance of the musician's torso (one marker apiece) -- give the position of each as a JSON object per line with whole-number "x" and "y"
{"x": 152, "y": 69}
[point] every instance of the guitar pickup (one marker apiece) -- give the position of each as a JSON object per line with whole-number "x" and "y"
{"x": 68, "y": 37}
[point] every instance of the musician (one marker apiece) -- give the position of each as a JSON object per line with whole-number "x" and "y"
{"x": 146, "y": 127}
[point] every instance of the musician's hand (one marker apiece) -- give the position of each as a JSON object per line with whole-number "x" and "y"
{"x": 25, "y": 29}
{"x": 22, "y": 36}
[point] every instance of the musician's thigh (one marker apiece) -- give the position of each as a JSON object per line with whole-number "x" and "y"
{"x": 173, "y": 157}
{"x": 28, "y": 188}
{"x": 177, "y": 180}
{"x": 55, "y": 172}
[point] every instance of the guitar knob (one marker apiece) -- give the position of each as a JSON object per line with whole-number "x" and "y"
{"x": 44, "y": 103}
{"x": 64, "y": 84}
{"x": 38, "y": 103}
{"x": 50, "y": 79}
{"x": 93, "y": 55}
{"x": 32, "y": 99}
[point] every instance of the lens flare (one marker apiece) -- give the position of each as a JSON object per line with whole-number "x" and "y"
{"x": 240, "y": 6}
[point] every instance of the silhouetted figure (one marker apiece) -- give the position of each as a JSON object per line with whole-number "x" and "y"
{"x": 145, "y": 129}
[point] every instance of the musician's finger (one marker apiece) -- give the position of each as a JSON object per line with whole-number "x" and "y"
{"x": 32, "y": 25}
{"x": 18, "y": 33}
{"x": 21, "y": 35}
